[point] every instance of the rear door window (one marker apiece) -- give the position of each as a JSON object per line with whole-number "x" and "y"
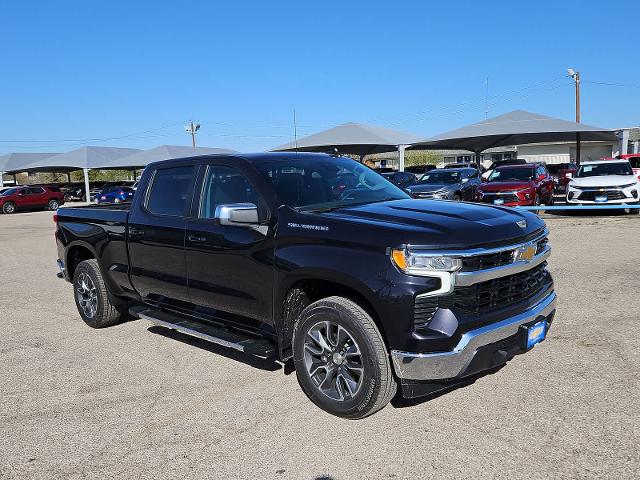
{"x": 170, "y": 191}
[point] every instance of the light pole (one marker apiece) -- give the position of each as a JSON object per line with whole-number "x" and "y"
{"x": 191, "y": 129}
{"x": 576, "y": 79}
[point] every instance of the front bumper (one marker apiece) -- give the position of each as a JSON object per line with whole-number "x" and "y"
{"x": 451, "y": 365}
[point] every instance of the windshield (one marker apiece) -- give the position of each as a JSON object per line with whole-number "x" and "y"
{"x": 517, "y": 174}
{"x": 311, "y": 184}
{"x": 599, "y": 169}
{"x": 439, "y": 178}
{"x": 9, "y": 191}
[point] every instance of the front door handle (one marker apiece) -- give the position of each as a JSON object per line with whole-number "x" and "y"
{"x": 197, "y": 238}
{"x": 136, "y": 232}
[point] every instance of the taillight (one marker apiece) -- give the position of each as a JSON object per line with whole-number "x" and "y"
{"x": 55, "y": 218}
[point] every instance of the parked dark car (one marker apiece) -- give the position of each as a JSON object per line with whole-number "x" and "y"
{"x": 30, "y": 198}
{"x": 419, "y": 170}
{"x": 401, "y": 179}
{"x": 464, "y": 165}
{"x": 114, "y": 195}
{"x": 562, "y": 174}
{"x": 366, "y": 290}
{"x": 518, "y": 185}
{"x": 447, "y": 184}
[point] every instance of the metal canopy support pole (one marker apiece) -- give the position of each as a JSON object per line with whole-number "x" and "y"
{"x": 15, "y": 179}
{"x": 86, "y": 184}
{"x": 578, "y": 148}
{"x": 68, "y": 177}
{"x": 401, "y": 149}
{"x": 1, "y": 180}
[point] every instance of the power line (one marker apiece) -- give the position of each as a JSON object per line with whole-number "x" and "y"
{"x": 610, "y": 84}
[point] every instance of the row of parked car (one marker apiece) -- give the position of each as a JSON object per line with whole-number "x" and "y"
{"x": 51, "y": 196}
{"x": 518, "y": 183}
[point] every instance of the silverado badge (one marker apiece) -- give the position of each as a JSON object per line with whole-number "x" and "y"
{"x": 522, "y": 223}
{"x": 524, "y": 253}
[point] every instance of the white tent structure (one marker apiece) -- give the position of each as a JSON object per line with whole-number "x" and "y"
{"x": 13, "y": 161}
{"x": 84, "y": 158}
{"x": 163, "y": 152}
{"x": 353, "y": 138}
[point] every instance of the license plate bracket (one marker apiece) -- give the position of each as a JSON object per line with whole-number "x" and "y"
{"x": 534, "y": 333}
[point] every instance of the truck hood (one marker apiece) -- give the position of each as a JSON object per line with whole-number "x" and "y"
{"x": 603, "y": 181}
{"x": 504, "y": 186}
{"x": 437, "y": 223}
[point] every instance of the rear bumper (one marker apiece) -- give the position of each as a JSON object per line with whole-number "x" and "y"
{"x": 455, "y": 364}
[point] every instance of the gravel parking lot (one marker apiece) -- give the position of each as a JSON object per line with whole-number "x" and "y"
{"x": 138, "y": 402}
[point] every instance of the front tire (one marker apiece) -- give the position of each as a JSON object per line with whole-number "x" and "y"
{"x": 53, "y": 205}
{"x": 634, "y": 211}
{"x": 457, "y": 197}
{"x": 341, "y": 360}
{"x": 8, "y": 208}
{"x": 92, "y": 298}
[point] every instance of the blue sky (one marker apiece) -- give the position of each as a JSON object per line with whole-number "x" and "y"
{"x": 132, "y": 73}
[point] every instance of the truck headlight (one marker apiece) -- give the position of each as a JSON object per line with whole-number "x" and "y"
{"x": 423, "y": 264}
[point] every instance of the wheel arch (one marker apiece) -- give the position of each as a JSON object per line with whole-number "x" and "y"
{"x": 313, "y": 287}
{"x": 77, "y": 253}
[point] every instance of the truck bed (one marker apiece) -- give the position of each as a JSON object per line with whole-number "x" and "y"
{"x": 117, "y": 213}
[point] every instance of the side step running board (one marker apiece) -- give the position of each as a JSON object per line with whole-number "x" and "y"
{"x": 251, "y": 345}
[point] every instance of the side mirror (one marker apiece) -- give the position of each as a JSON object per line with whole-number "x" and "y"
{"x": 237, "y": 214}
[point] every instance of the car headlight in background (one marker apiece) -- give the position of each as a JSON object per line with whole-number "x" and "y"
{"x": 423, "y": 264}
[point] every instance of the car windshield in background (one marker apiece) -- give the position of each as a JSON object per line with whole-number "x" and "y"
{"x": 517, "y": 174}
{"x": 439, "y": 178}
{"x": 599, "y": 169}
{"x": 8, "y": 192}
{"x": 312, "y": 184}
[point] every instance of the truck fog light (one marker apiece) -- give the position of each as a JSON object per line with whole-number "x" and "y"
{"x": 570, "y": 195}
{"x": 634, "y": 193}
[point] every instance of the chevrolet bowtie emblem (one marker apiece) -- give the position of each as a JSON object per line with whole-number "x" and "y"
{"x": 524, "y": 253}
{"x": 522, "y": 223}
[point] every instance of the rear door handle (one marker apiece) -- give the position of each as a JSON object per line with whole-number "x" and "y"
{"x": 197, "y": 238}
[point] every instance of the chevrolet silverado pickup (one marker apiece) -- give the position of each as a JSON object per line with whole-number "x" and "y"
{"x": 363, "y": 288}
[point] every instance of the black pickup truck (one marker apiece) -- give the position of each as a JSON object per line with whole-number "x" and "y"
{"x": 318, "y": 259}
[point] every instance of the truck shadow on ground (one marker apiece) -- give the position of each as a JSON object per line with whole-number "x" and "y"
{"x": 400, "y": 402}
{"x": 255, "y": 362}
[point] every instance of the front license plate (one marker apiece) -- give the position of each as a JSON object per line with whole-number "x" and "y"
{"x": 498, "y": 201}
{"x": 601, "y": 199}
{"x": 536, "y": 333}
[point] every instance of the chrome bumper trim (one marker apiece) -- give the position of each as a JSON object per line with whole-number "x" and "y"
{"x": 444, "y": 365}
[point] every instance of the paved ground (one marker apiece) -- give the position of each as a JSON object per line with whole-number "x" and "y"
{"x": 130, "y": 402}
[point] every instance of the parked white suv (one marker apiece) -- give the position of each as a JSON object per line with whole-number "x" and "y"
{"x": 604, "y": 182}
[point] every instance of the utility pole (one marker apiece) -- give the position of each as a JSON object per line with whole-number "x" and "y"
{"x": 576, "y": 79}
{"x": 191, "y": 129}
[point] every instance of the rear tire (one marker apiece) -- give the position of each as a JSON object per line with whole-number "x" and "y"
{"x": 8, "y": 208}
{"x": 341, "y": 360}
{"x": 91, "y": 295}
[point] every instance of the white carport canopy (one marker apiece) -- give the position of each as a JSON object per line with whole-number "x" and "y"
{"x": 13, "y": 162}
{"x": 163, "y": 152}
{"x": 353, "y": 138}
{"x": 515, "y": 128}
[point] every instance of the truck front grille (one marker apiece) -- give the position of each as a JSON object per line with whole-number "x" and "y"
{"x": 498, "y": 259}
{"x": 498, "y": 293}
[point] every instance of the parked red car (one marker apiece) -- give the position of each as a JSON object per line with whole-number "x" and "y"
{"x": 30, "y": 198}
{"x": 518, "y": 185}
{"x": 634, "y": 160}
